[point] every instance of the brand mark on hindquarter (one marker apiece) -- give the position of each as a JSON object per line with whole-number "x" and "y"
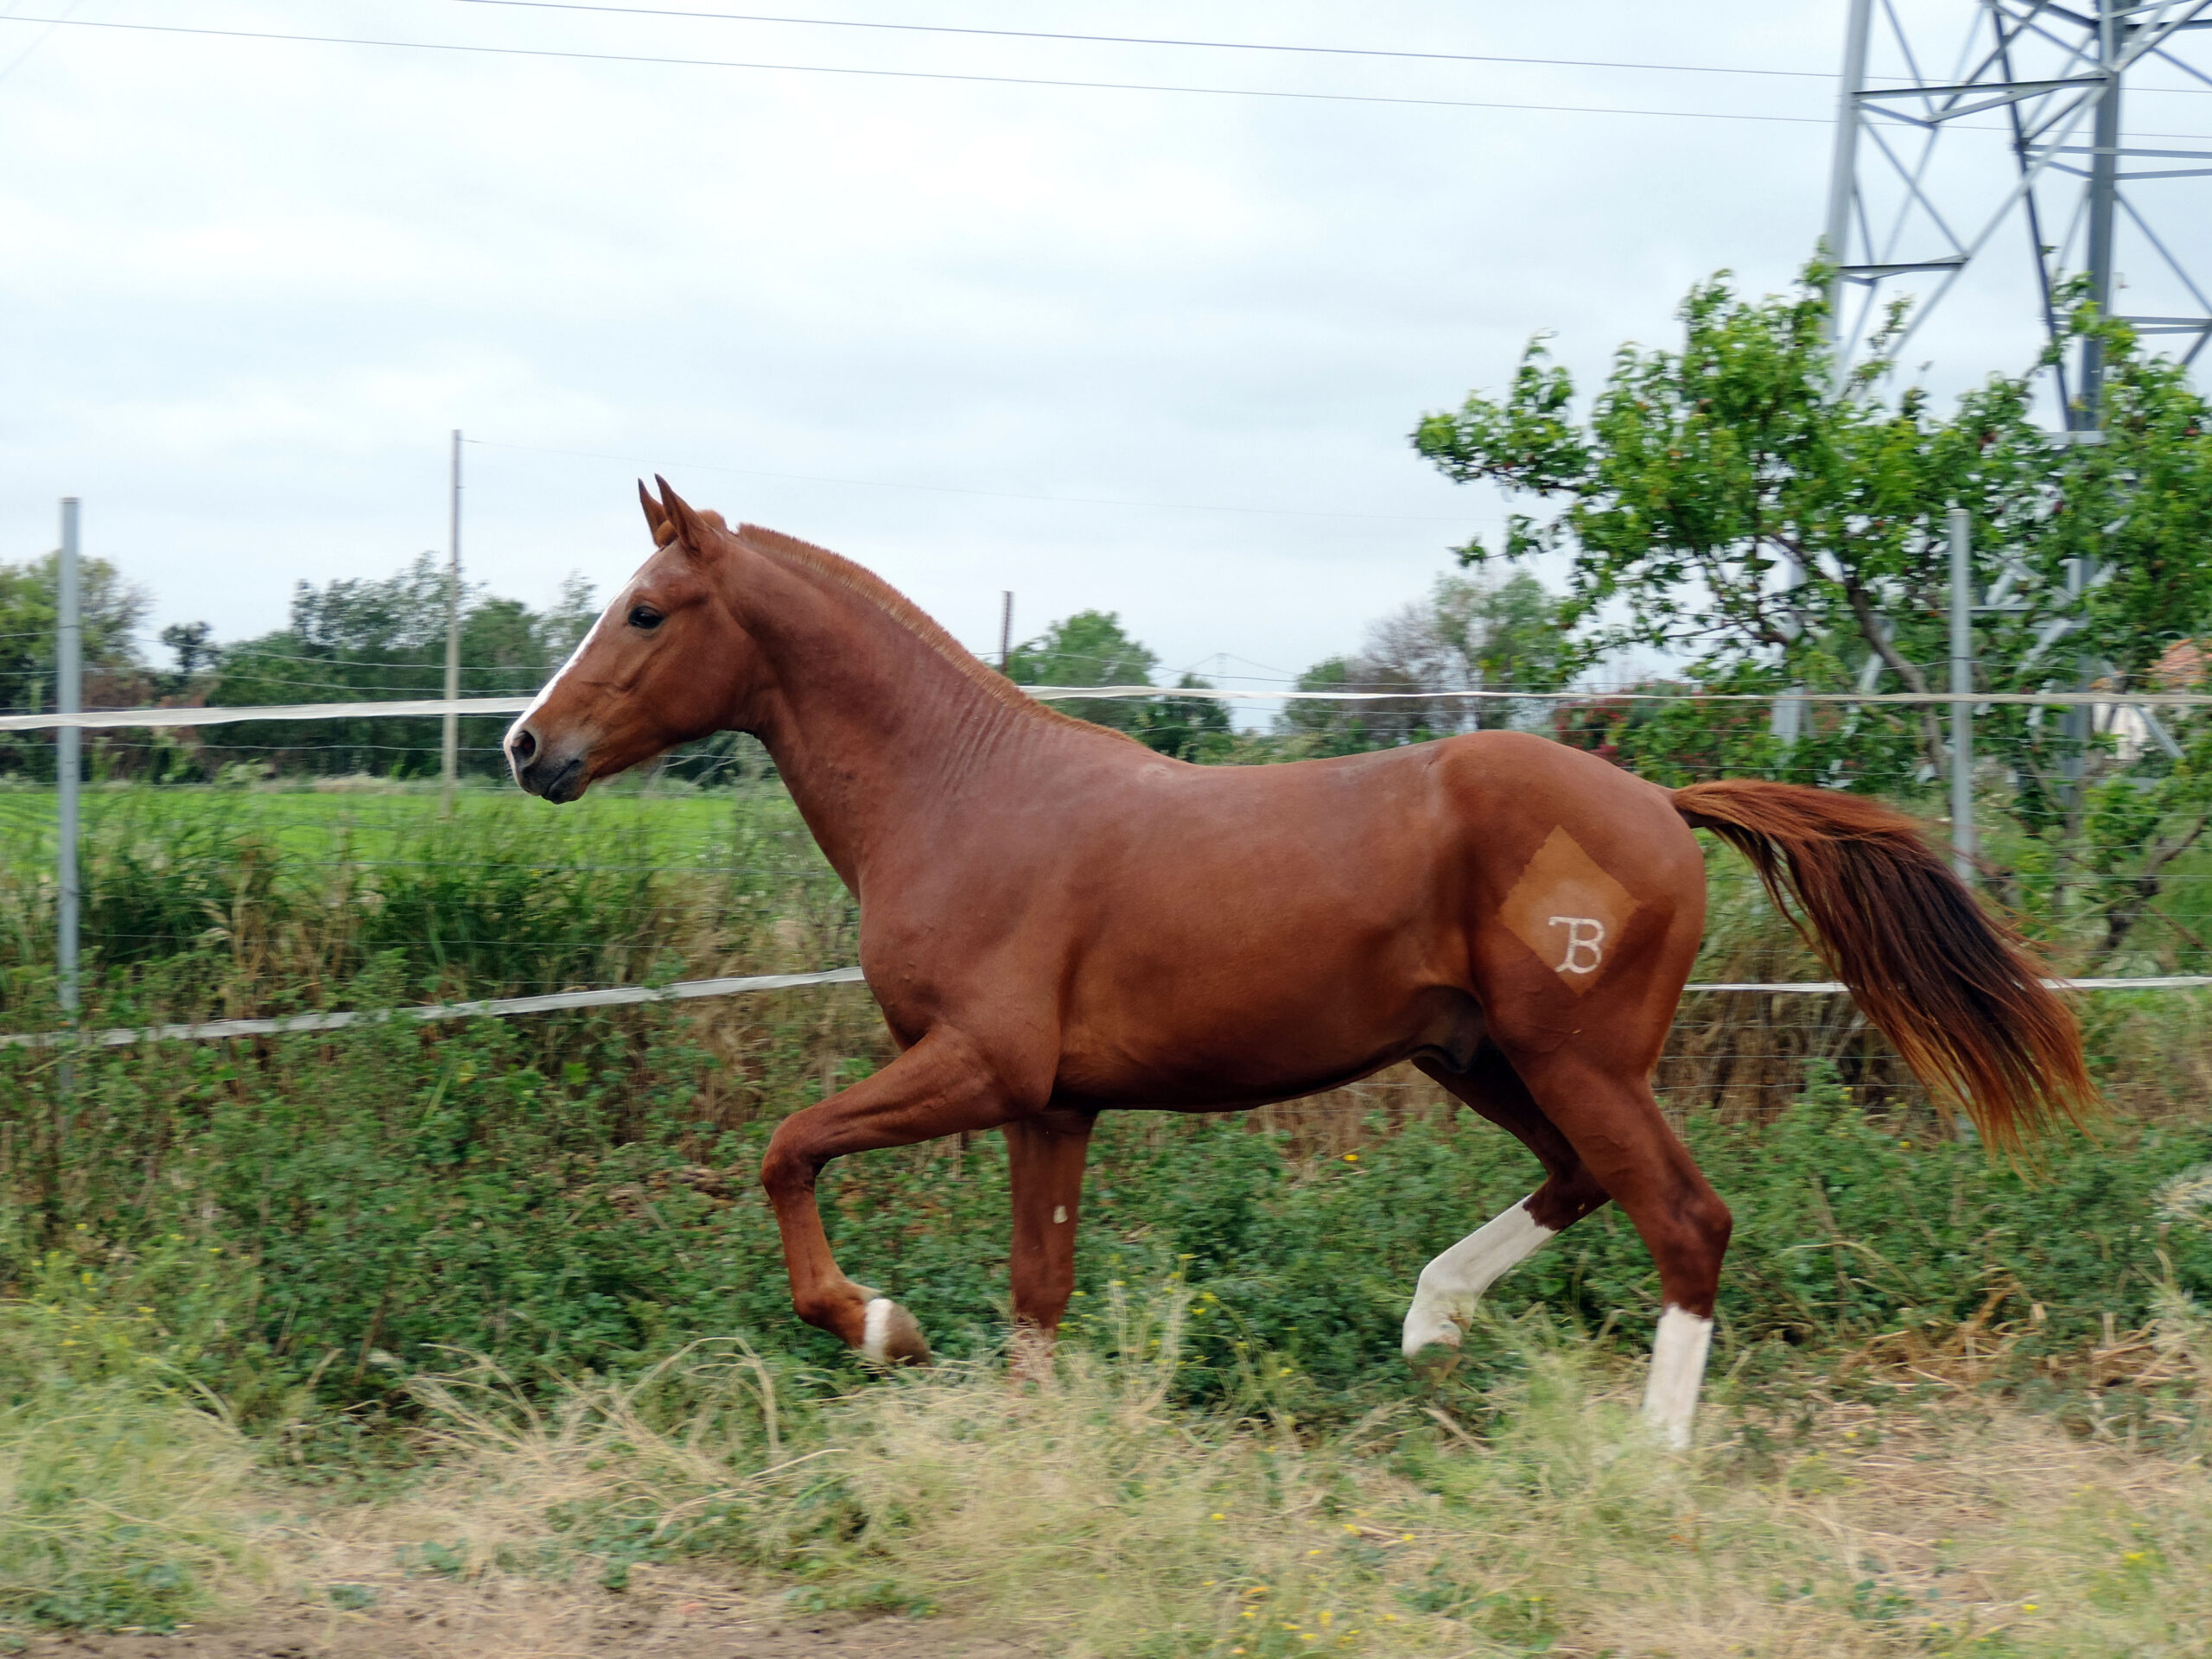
{"x": 1583, "y": 934}
{"x": 1568, "y": 911}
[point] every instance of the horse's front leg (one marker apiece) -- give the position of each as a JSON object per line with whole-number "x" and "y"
{"x": 1044, "y": 1157}
{"x": 941, "y": 1085}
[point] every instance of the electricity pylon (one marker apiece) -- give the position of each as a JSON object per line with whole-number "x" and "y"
{"x": 1952, "y": 153}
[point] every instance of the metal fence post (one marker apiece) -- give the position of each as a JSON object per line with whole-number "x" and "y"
{"x": 2077, "y": 724}
{"x": 69, "y": 767}
{"x": 451, "y": 772}
{"x": 1962, "y": 838}
{"x": 68, "y": 749}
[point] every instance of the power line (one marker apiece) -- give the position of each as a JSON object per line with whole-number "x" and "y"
{"x": 22, "y": 57}
{"x": 1221, "y": 46}
{"x": 914, "y": 74}
{"x": 663, "y": 61}
{"x": 1149, "y": 40}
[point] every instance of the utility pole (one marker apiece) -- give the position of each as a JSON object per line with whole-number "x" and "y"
{"x": 1963, "y": 836}
{"x": 452, "y": 770}
{"x": 68, "y": 753}
{"x": 1005, "y": 631}
{"x": 69, "y": 767}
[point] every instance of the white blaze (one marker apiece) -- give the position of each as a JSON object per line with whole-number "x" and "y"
{"x": 546, "y": 689}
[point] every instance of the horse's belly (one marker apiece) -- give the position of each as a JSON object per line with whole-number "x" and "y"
{"x": 1213, "y": 1045}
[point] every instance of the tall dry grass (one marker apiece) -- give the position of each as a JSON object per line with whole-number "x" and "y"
{"x": 1084, "y": 1514}
{"x": 1884, "y": 1508}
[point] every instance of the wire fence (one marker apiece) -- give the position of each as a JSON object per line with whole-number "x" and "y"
{"x": 257, "y": 901}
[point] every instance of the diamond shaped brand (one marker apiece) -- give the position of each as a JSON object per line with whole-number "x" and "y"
{"x": 1568, "y": 911}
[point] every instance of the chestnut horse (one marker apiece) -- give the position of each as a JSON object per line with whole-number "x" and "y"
{"x": 1056, "y": 921}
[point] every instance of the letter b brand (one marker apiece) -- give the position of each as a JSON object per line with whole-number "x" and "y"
{"x": 1586, "y": 939}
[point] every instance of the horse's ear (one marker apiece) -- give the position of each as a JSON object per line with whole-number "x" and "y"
{"x": 656, "y": 520}
{"x": 693, "y": 528}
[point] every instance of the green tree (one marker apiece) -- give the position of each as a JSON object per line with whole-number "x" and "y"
{"x": 371, "y": 639}
{"x": 563, "y": 623}
{"x": 1508, "y": 634}
{"x": 1728, "y": 503}
{"x": 1463, "y": 636}
{"x": 1090, "y": 648}
{"x": 110, "y": 611}
{"x": 1349, "y": 728}
{"x": 192, "y": 644}
{"x": 1189, "y": 729}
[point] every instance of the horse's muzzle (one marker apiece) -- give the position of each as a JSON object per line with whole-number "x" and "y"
{"x": 549, "y": 773}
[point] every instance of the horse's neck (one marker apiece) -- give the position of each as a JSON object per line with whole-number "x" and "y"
{"x": 868, "y": 724}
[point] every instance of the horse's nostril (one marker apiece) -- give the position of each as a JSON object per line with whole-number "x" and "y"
{"x": 522, "y": 745}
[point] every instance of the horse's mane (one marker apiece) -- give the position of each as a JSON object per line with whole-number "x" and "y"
{"x": 860, "y": 579}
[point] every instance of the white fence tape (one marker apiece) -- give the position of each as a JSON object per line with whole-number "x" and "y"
{"x": 96, "y": 720}
{"x": 615, "y": 996}
{"x": 2055, "y": 699}
{"x": 100, "y": 720}
{"x": 686, "y": 990}
{"x": 1835, "y": 988}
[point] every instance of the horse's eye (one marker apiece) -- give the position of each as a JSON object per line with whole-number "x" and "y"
{"x": 643, "y": 616}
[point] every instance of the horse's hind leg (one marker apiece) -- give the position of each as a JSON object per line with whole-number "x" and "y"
{"x": 1607, "y": 1114}
{"x": 1444, "y": 1300}
{"x": 1044, "y": 1158}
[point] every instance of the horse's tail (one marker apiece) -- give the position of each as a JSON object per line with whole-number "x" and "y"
{"x": 1956, "y": 991}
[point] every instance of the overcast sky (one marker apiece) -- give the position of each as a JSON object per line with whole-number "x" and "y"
{"x": 1151, "y": 352}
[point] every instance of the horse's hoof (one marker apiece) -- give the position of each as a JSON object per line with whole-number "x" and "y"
{"x": 1428, "y": 1330}
{"x": 1434, "y": 1363}
{"x": 892, "y": 1337}
{"x": 1029, "y": 1355}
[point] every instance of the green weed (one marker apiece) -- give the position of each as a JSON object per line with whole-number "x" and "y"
{"x": 579, "y": 1196}
{"x": 118, "y": 1480}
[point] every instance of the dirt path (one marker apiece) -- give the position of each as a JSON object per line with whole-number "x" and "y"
{"x": 662, "y": 1615}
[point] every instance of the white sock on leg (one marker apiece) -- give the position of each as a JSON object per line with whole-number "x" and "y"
{"x": 876, "y": 1332}
{"x": 1677, "y": 1372}
{"x": 1450, "y": 1286}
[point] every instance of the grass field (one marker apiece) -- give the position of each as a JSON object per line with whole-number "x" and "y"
{"x": 1875, "y": 1508}
{"x": 336, "y": 1336}
{"x": 204, "y": 897}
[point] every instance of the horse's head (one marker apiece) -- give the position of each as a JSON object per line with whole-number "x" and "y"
{"x": 664, "y": 662}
